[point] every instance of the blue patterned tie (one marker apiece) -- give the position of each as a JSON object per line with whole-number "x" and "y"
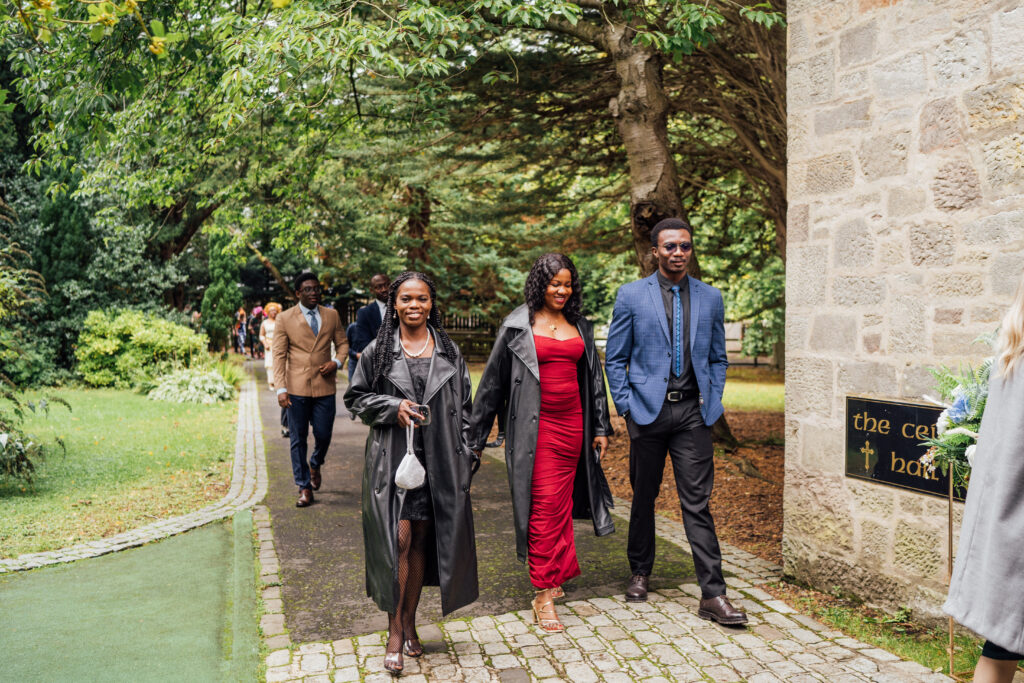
{"x": 313, "y": 324}
{"x": 677, "y": 327}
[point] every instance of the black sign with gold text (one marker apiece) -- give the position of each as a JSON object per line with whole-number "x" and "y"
{"x": 883, "y": 444}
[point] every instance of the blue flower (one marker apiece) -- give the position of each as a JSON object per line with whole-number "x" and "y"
{"x": 961, "y": 407}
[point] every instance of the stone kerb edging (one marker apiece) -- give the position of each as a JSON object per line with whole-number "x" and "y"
{"x": 248, "y": 487}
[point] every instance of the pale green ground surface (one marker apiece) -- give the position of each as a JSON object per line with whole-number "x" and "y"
{"x": 180, "y": 609}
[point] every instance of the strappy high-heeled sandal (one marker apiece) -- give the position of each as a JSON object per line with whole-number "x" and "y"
{"x": 393, "y": 663}
{"x": 548, "y": 624}
{"x": 557, "y": 592}
{"x": 413, "y": 648}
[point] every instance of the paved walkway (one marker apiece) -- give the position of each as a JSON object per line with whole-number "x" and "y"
{"x": 606, "y": 639}
{"x": 248, "y": 487}
{"x": 319, "y": 550}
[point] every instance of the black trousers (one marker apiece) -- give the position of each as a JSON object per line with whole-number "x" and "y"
{"x": 680, "y": 431}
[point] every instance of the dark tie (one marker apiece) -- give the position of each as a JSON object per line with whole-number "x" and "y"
{"x": 677, "y": 332}
{"x": 314, "y": 325}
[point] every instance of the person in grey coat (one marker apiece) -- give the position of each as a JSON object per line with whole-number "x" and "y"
{"x": 512, "y": 385}
{"x": 423, "y": 535}
{"x": 986, "y": 593}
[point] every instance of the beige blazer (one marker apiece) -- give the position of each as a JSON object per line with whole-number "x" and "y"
{"x": 298, "y": 354}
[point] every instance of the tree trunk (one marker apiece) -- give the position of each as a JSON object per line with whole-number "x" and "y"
{"x": 418, "y": 200}
{"x": 641, "y": 111}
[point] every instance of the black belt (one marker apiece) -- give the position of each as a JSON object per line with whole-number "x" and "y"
{"x": 676, "y": 396}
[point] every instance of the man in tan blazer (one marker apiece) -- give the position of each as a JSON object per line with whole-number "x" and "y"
{"x": 305, "y": 374}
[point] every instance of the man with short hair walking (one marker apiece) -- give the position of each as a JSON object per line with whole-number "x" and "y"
{"x": 666, "y": 365}
{"x": 305, "y": 376}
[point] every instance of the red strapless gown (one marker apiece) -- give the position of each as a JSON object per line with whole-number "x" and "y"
{"x": 552, "y": 547}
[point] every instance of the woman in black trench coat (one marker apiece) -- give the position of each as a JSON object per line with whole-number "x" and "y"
{"x": 545, "y": 377}
{"x": 424, "y": 535}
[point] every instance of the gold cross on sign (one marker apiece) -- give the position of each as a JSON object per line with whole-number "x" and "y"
{"x": 868, "y": 451}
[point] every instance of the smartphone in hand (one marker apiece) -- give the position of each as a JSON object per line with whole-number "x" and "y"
{"x": 423, "y": 410}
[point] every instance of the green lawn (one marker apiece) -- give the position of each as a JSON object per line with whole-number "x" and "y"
{"x": 130, "y": 461}
{"x": 746, "y": 388}
{"x": 757, "y": 389}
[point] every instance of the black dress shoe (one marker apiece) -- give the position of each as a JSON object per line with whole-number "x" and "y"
{"x": 285, "y": 433}
{"x": 305, "y": 498}
{"x": 637, "y": 591}
{"x": 314, "y": 477}
{"x": 721, "y": 610}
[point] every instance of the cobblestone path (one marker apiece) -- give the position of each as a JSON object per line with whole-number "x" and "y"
{"x": 606, "y": 639}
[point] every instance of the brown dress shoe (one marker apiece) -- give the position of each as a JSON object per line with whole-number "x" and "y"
{"x": 721, "y": 610}
{"x": 637, "y": 591}
{"x": 305, "y": 498}
{"x": 314, "y": 477}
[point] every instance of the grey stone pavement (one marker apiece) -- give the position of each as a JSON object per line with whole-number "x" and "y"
{"x": 606, "y": 639}
{"x": 248, "y": 487}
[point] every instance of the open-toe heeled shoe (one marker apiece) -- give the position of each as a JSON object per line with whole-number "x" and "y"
{"x": 413, "y": 648}
{"x": 545, "y": 616}
{"x": 393, "y": 663}
{"x": 557, "y": 592}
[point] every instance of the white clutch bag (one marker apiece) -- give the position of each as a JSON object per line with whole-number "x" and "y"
{"x": 410, "y": 474}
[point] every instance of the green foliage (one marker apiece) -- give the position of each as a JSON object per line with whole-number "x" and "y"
{"x": 222, "y": 297}
{"x": 192, "y": 386}
{"x": 736, "y": 248}
{"x": 19, "y": 285}
{"x": 19, "y": 450}
{"x": 232, "y": 373}
{"x": 966, "y": 393}
{"x": 123, "y": 348}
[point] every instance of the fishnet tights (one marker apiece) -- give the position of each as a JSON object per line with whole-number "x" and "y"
{"x": 412, "y": 561}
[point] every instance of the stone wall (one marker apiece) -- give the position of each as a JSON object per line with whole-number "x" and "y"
{"x": 905, "y": 242}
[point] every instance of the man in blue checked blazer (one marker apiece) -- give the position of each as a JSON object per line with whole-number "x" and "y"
{"x": 666, "y": 365}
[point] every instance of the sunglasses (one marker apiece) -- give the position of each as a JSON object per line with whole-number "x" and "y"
{"x": 670, "y": 247}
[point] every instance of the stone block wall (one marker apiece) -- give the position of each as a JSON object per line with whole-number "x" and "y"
{"x": 905, "y": 243}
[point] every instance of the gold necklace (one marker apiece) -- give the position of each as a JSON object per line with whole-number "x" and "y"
{"x": 552, "y": 326}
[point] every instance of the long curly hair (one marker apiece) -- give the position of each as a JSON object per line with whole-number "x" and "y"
{"x": 383, "y": 357}
{"x": 543, "y": 270}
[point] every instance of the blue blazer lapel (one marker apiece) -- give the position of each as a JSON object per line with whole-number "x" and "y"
{"x": 654, "y": 293}
{"x": 695, "y": 296}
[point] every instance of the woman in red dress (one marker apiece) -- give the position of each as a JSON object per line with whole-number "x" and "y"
{"x": 545, "y": 376}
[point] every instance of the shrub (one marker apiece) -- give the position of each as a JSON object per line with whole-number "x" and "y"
{"x": 231, "y": 372}
{"x": 19, "y": 451}
{"x": 192, "y": 386}
{"x": 125, "y": 348}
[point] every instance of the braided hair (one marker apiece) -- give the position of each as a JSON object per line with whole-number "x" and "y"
{"x": 383, "y": 357}
{"x": 544, "y": 269}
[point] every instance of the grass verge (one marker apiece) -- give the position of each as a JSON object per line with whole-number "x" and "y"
{"x": 130, "y": 461}
{"x": 896, "y": 633}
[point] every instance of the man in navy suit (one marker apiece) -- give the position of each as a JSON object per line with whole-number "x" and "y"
{"x": 666, "y": 365}
{"x": 370, "y": 316}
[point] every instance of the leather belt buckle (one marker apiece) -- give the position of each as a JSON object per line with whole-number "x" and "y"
{"x": 674, "y": 396}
